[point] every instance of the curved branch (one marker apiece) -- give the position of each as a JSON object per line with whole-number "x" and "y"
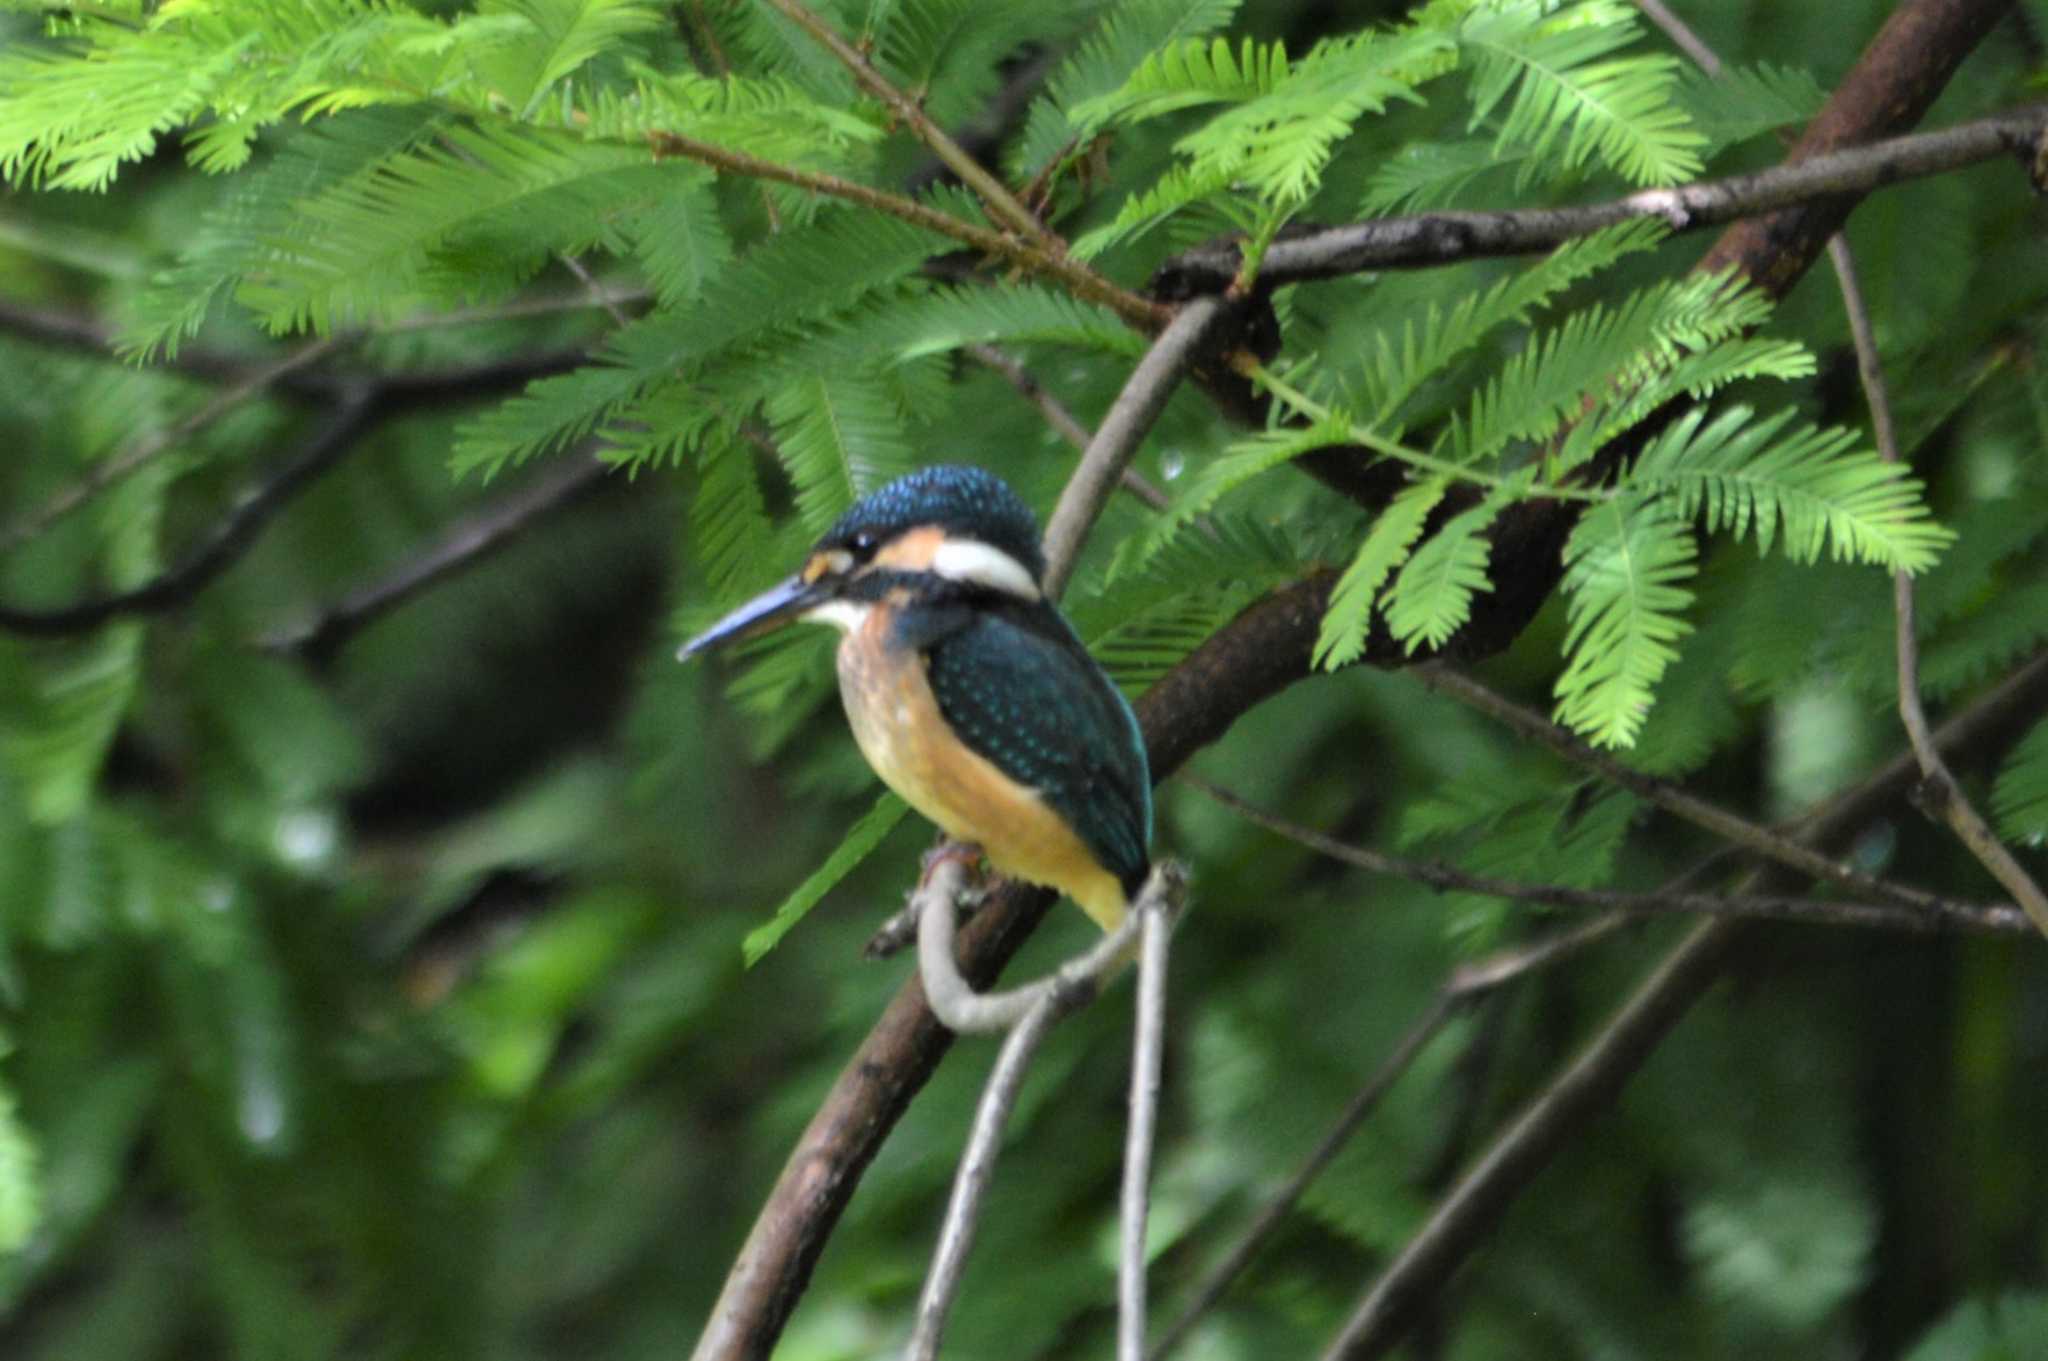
{"x": 459, "y": 545}
{"x": 233, "y": 537}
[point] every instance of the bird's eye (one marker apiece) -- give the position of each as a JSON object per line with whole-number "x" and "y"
{"x": 864, "y": 545}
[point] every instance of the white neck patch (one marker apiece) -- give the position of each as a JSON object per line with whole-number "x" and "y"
{"x": 982, "y": 564}
{"x": 844, "y": 615}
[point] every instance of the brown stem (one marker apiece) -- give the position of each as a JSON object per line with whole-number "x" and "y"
{"x": 1084, "y": 283}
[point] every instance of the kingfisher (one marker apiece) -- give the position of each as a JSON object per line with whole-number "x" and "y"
{"x": 966, "y": 688}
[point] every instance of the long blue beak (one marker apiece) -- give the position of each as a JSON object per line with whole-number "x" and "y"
{"x": 771, "y": 609}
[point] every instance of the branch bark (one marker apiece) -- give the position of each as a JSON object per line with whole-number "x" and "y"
{"x": 1816, "y": 186}
{"x": 233, "y": 536}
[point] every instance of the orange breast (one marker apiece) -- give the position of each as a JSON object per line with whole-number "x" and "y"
{"x": 896, "y": 720}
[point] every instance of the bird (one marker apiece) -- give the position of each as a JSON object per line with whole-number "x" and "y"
{"x": 967, "y": 690}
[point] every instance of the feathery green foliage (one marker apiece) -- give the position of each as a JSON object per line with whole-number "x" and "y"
{"x": 2020, "y": 798}
{"x": 1624, "y": 572}
{"x": 1750, "y": 476}
{"x": 1562, "y": 94}
{"x": 1349, "y": 617}
{"x": 860, "y": 842}
{"x": 1101, "y": 61}
{"x": 1431, "y": 595}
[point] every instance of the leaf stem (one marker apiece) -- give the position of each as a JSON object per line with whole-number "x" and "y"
{"x": 1371, "y": 439}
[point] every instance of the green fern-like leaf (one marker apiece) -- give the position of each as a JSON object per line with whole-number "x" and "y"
{"x": 237, "y": 235}
{"x": 861, "y": 840}
{"x": 1188, "y": 74}
{"x": 1747, "y": 475}
{"x": 486, "y": 204}
{"x": 1347, "y": 623}
{"x": 1563, "y": 95}
{"x": 1100, "y": 63}
{"x": 2020, "y": 798}
{"x": 729, "y": 518}
{"x": 947, "y": 54}
{"x": 1741, "y": 102}
{"x": 1421, "y": 177}
{"x": 1283, "y": 120}
{"x": 795, "y": 277}
{"x": 1393, "y": 370}
{"x": 840, "y": 439}
{"x": 70, "y": 117}
{"x": 1139, "y": 623}
{"x": 680, "y": 239}
{"x": 1431, "y": 598}
{"x": 1599, "y": 352}
{"x": 566, "y": 34}
{"x": 1624, "y": 566}
{"x": 952, "y": 318}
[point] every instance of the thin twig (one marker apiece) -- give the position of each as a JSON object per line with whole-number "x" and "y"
{"x": 1447, "y": 238}
{"x": 977, "y": 1167}
{"x": 1939, "y": 914}
{"x": 233, "y": 536}
{"x": 594, "y": 290}
{"x": 1467, "y": 983}
{"x": 112, "y": 470}
{"x": 1060, "y": 419}
{"x": 1147, "y": 1054}
{"x": 1940, "y": 796}
{"x": 1117, "y": 439}
{"x": 1001, "y": 205}
{"x": 1025, "y": 1012}
{"x": 1681, "y": 35}
{"x": 963, "y": 1008}
{"x": 1728, "y": 826}
{"x": 458, "y": 546}
{"x": 1282, "y": 1202}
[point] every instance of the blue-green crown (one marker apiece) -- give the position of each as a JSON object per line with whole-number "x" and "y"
{"x": 963, "y": 500}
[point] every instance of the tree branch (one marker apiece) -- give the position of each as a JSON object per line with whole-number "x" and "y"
{"x": 1262, "y": 651}
{"x": 1429, "y": 239}
{"x": 1060, "y": 418}
{"x": 1751, "y": 836}
{"x": 1001, "y": 206}
{"x": 459, "y": 545}
{"x": 1458, "y": 1223}
{"x": 1117, "y": 439}
{"x": 230, "y": 539}
{"x": 1943, "y": 914}
{"x": 1940, "y": 796}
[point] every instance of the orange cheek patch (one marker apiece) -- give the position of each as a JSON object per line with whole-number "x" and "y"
{"x": 911, "y": 551}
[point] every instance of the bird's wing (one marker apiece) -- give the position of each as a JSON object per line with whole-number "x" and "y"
{"x": 1024, "y": 694}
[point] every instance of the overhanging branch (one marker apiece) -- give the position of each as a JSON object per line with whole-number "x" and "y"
{"x": 1428, "y": 239}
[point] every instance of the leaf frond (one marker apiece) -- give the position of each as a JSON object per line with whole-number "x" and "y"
{"x": 1806, "y": 487}
{"x": 1564, "y": 96}
{"x": 1625, "y": 566}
